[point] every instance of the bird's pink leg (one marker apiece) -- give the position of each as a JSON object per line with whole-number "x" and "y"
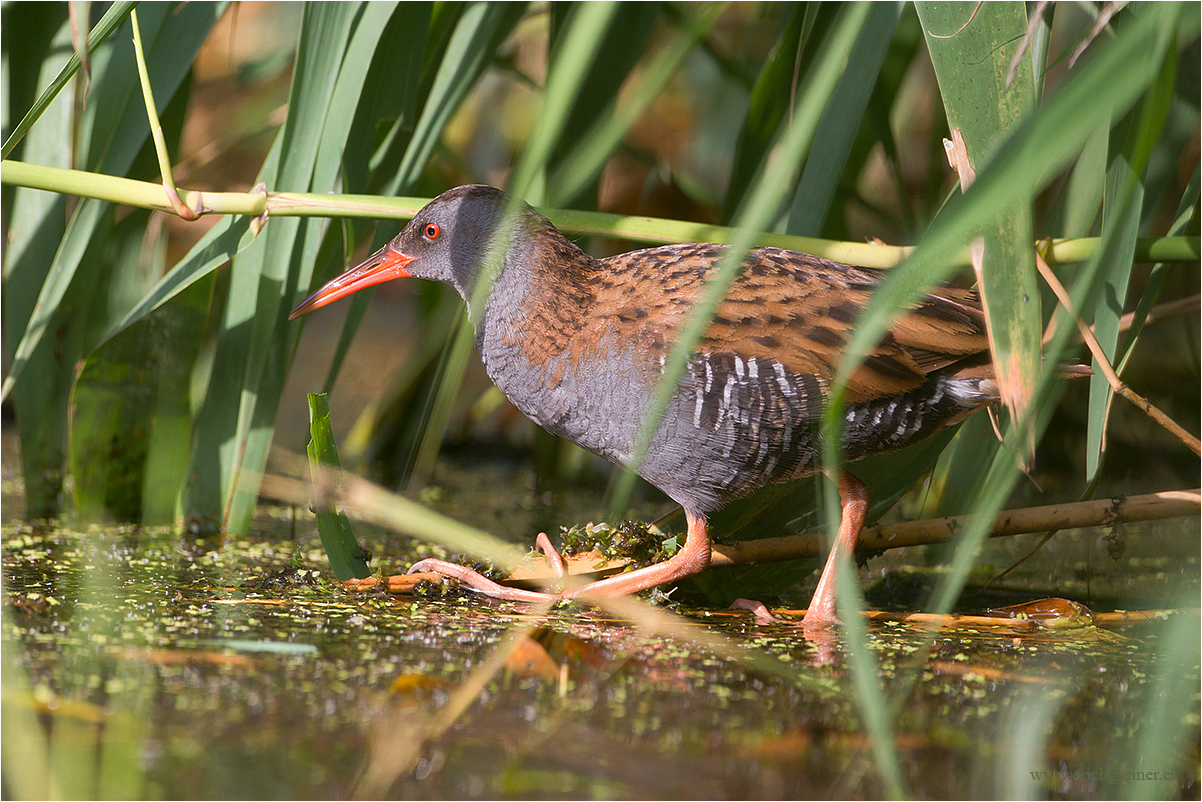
{"x": 854, "y": 497}
{"x": 543, "y": 544}
{"x": 692, "y": 559}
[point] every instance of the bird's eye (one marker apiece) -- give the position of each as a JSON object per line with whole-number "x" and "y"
{"x": 432, "y": 231}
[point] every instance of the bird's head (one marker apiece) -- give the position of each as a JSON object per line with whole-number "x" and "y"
{"x": 454, "y": 239}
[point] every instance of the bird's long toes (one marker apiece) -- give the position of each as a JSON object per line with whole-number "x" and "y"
{"x": 478, "y": 582}
{"x": 756, "y": 608}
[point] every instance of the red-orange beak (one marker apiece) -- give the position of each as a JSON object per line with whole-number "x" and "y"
{"x": 383, "y": 265}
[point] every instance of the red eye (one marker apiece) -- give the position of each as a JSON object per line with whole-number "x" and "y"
{"x": 432, "y": 231}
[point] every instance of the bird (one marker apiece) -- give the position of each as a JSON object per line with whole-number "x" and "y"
{"x": 580, "y": 345}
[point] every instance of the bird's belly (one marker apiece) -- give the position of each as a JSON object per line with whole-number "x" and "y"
{"x": 596, "y": 407}
{"x": 715, "y": 440}
{"x": 732, "y": 426}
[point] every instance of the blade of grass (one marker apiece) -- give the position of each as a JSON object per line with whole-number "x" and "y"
{"x": 210, "y": 463}
{"x": 112, "y": 139}
{"x": 459, "y": 54}
{"x": 1044, "y": 144}
{"x": 1120, "y": 225}
{"x": 760, "y": 207}
{"x": 347, "y": 558}
{"x": 1162, "y": 732}
{"x": 35, "y": 229}
{"x": 773, "y": 96}
{"x": 281, "y": 266}
{"x": 459, "y": 63}
{"x": 26, "y": 744}
{"x": 217, "y": 247}
{"x": 341, "y": 132}
{"x": 255, "y": 426}
{"x": 841, "y": 120}
{"x": 973, "y": 68}
{"x": 583, "y": 163}
{"x": 112, "y": 19}
{"x": 170, "y": 440}
{"x": 120, "y": 384}
{"x": 963, "y": 467}
{"x": 391, "y": 426}
{"x": 624, "y": 38}
{"x": 1039, "y": 50}
{"x": 1003, "y": 472}
{"x": 762, "y": 203}
{"x": 131, "y": 422}
{"x": 985, "y": 100}
{"x": 389, "y": 92}
{"x": 1030, "y": 157}
{"x": 565, "y": 80}
{"x": 31, "y": 62}
{"x": 477, "y": 34}
{"x": 107, "y": 444}
{"x": 1085, "y": 186}
{"x": 887, "y": 95}
{"x": 1187, "y": 212}
{"x": 1029, "y": 725}
{"x": 565, "y": 76}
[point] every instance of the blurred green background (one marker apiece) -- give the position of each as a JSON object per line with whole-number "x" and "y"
{"x": 150, "y": 370}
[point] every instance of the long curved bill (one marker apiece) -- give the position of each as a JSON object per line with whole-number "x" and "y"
{"x": 383, "y": 265}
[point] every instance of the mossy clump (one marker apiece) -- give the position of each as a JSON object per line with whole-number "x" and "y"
{"x": 629, "y": 540}
{"x": 290, "y": 577}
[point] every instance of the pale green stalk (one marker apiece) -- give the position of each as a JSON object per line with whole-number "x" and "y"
{"x": 156, "y": 128}
{"x": 650, "y": 230}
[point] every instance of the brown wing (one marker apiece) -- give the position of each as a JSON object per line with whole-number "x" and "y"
{"x": 788, "y": 307}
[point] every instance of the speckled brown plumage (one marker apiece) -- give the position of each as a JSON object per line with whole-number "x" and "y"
{"x": 579, "y": 345}
{"x": 785, "y": 306}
